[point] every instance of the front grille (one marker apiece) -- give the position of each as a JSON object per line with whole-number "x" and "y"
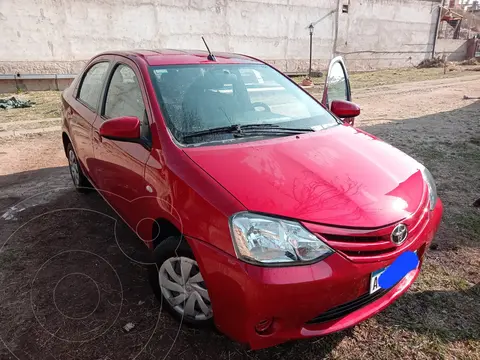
{"x": 361, "y": 245}
{"x": 367, "y": 245}
{"x": 366, "y": 239}
{"x": 349, "y": 307}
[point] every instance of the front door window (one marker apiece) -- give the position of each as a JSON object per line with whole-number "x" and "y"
{"x": 337, "y": 83}
{"x": 124, "y": 98}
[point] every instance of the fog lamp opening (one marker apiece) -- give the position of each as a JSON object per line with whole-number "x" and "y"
{"x": 264, "y": 327}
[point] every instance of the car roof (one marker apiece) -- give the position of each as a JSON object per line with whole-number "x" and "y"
{"x": 183, "y": 57}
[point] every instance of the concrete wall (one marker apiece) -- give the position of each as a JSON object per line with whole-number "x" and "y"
{"x": 453, "y": 49}
{"x": 57, "y": 36}
{"x": 387, "y": 33}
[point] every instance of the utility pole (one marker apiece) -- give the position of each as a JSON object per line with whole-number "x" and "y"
{"x": 437, "y": 26}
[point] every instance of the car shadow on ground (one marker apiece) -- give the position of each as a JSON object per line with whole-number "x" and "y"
{"x": 73, "y": 275}
{"x": 448, "y": 316}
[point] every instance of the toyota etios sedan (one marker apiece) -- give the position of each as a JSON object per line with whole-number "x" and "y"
{"x": 268, "y": 214}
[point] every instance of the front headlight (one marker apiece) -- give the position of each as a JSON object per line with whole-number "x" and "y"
{"x": 432, "y": 188}
{"x": 268, "y": 240}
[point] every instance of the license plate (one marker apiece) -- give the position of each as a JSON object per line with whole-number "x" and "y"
{"x": 374, "y": 286}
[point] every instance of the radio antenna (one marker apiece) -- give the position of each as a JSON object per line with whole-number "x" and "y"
{"x": 210, "y": 57}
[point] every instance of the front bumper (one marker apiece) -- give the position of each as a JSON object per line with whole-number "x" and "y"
{"x": 243, "y": 295}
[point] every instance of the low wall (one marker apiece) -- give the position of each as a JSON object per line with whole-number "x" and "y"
{"x": 14, "y": 83}
{"x": 452, "y": 49}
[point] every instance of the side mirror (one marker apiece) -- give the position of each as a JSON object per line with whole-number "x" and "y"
{"x": 345, "y": 109}
{"x": 125, "y": 128}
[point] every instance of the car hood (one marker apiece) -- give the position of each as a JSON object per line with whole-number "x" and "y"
{"x": 340, "y": 176}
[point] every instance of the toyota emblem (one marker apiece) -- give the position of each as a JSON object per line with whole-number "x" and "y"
{"x": 399, "y": 234}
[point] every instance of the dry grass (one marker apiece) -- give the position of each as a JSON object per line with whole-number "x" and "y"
{"x": 47, "y": 106}
{"x": 360, "y": 80}
{"x": 398, "y": 76}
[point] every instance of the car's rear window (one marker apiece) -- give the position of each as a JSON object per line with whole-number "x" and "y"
{"x": 200, "y": 97}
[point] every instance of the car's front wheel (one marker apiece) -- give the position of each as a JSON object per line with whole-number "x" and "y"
{"x": 178, "y": 283}
{"x": 79, "y": 180}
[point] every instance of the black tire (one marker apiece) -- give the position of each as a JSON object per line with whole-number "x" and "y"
{"x": 80, "y": 182}
{"x": 172, "y": 247}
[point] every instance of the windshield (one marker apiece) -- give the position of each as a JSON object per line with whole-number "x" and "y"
{"x": 198, "y": 98}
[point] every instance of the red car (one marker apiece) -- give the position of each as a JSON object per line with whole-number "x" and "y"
{"x": 267, "y": 212}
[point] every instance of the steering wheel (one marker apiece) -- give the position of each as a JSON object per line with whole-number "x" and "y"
{"x": 262, "y": 105}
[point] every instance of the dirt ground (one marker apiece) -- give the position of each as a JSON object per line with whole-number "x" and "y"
{"x": 69, "y": 284}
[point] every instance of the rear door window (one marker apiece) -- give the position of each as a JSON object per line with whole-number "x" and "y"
{"x": 91, "y": 87}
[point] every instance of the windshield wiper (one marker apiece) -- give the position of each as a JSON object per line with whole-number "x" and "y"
{"x": 217, "y": 130}
{"x": 240, "y": 130}
{"x": 274, "y": 127}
